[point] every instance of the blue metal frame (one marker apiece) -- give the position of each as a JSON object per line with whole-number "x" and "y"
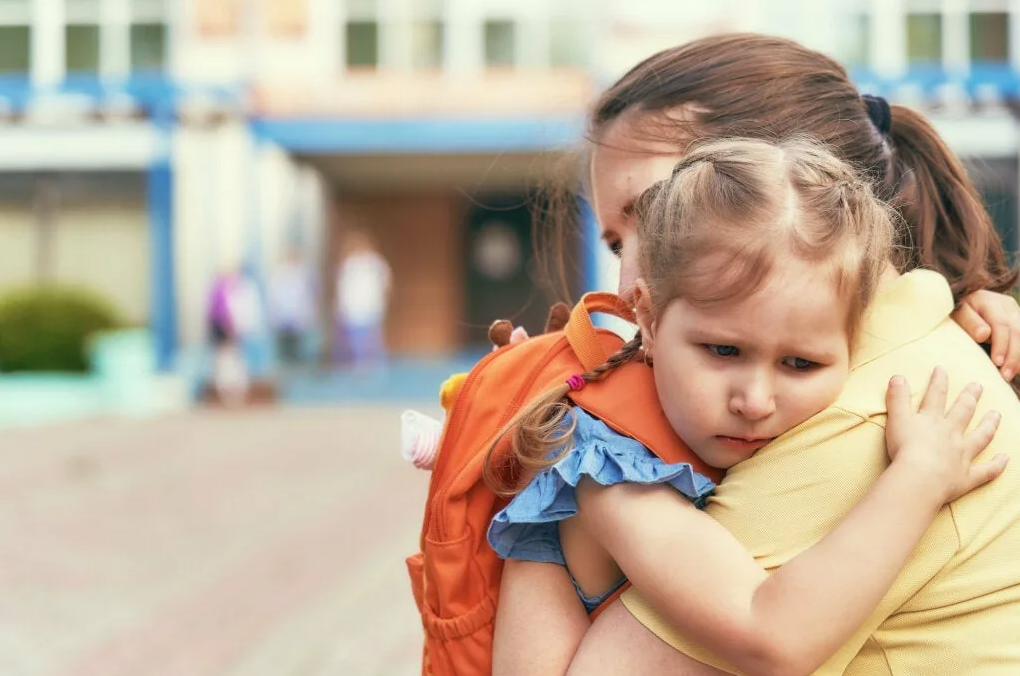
{"x": 152, "y": 92}
{"x": 988, "y": 75}
{"x": 163, "y": 285}
{"x": 589, "y": 245}
{"x": 421, "y": 136}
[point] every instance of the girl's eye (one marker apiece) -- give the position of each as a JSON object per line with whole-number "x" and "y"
{"x": 799, "y": 364}
{"x": 616, "y": 247}
{"x": 723, "y": 350}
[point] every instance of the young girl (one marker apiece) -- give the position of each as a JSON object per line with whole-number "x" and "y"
{"x": 756, "y": 264}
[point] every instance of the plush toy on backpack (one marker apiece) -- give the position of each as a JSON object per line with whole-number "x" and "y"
{"x": 420, "y": 433}
{"x": 456, "y": 575}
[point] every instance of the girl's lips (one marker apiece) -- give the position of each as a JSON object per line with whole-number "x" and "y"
{"x": 740, "y": 444}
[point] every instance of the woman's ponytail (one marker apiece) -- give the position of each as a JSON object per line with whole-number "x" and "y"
{"x": 950, "y": 230}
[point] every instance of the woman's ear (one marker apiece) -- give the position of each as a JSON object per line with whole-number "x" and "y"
{"x": 645, "y": 314}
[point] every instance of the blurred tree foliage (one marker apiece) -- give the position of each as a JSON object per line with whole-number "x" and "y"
{"x": 47, "y": 328}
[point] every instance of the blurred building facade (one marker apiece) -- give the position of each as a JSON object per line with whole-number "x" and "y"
{"x": 150, "y": 144}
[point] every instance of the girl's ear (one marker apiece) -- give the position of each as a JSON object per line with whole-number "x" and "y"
{"x": 645, "y": 315}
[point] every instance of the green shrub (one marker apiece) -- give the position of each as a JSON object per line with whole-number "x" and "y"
{"x": 47, "y": 328}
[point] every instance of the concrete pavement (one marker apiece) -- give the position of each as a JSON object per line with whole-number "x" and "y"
{"x": 261, "y": 543}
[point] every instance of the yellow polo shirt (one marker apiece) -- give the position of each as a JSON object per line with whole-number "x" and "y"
{"x": 955, "y": 607}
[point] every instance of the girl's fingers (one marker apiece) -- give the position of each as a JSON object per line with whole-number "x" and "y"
{"x": 897, "y": 397}
{"x": 986, "y": 471}
{"x": 962, "y": 411}
{"x": 937, "y": 393}
{"x": 982, "y": 435}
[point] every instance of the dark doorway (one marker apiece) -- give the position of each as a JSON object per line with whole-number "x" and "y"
{"x": 500, "y": 270}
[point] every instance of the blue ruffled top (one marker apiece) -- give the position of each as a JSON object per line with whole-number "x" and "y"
{"x": 527, "y": 528}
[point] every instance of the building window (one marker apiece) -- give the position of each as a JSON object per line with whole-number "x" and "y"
{"x": 82, "y": 48}
{"x": 568, "y": 46}
{"x": 363, "y": 44}
{"x": 15, "y": 49}
{"x": 499, "y": 43}
{"x": 427, "y": 44}
{"x": 924, "y": 38}
{"x": 989, "y": 36}
{"x": 148, "y": 47}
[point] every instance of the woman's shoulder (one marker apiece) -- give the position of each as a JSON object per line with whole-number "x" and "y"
{"x": 947, "y": 346}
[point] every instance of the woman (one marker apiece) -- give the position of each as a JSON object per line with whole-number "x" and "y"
{"x": 746, "y": 85}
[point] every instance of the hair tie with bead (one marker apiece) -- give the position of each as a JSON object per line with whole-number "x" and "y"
{"x": 575, "y": 382}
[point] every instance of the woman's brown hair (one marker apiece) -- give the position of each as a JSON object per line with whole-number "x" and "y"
{"x": 756, "y": 86}
{"x": 733, "y": 211}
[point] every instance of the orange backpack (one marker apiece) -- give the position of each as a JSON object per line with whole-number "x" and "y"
{"x": 455, "y": 576}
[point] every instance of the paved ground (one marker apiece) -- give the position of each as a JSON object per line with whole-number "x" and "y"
{"x": 263, "y": 543}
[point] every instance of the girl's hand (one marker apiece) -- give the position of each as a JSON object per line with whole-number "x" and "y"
{"x": 987, "y": 315}
{"x": 935, "y": 442}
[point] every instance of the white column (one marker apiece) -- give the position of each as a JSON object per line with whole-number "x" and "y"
{"x": 180, "y": 21}
{"x": 889, "y": 37}
{"x": 531, "y": 42}
{"x": 1014, "y": 34}
{"x": 601, "y": 59}
{"x": 115, "y": 38}
{"x": 819, "y": 23}
{"x": 751, "y": 15}
{"x": 395, "y": 52}
{"x": 340, "y": 19}
{"x": 955, "y": 37}
{"x": 326, "y": 35}
{"x": 48, "y": 62}
{"x": 465, "y": 52}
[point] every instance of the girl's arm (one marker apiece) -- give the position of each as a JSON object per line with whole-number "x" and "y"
{"x": 540, "y": 621}
{"x": 790, "y": 622}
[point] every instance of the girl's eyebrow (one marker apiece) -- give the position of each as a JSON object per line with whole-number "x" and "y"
{"x": 628, "y": 208}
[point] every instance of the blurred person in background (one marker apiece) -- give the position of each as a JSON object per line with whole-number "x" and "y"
{"x": 234, "y": 313}
{"x": 292, "y": 304}
{"x": 363, "y": 284}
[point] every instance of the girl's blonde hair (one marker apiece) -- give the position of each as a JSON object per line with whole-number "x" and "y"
{"x": 719, "y": 228}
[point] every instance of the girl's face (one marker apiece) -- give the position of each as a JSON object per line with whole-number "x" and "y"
{"x": 734, "y": 376}
{"x": 621, "y": 169}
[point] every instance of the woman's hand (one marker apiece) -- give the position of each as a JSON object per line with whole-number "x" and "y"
{"x": 935, "y": 442}
{"x": 987, "y": 315}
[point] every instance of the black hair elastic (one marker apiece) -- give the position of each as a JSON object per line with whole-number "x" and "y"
{"x": 879, "y": 113}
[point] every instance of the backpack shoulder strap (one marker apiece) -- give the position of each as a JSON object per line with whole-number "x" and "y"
{"x": 581, "y": 332}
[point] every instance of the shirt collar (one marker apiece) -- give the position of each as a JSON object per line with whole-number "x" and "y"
{"x": 903, "y": 310}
